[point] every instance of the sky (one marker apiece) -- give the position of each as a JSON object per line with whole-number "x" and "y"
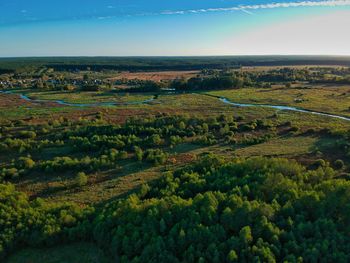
{"x": 173, "y": 27}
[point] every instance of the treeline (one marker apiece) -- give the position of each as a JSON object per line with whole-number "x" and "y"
{"x": 6, "y": 71}
{"x": 226, "y": 81}
{"x": 218, "y": 80}
{"x": 165, "y": 63}
{"x": 314, "y": 75}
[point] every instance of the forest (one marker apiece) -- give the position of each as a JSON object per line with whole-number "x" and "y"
{"x": 17, "y": 65}
{"x": 253, "y": 210}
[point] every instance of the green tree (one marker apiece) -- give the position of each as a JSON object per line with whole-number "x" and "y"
{"x": 245, "y": 235}
{"x": 138, "y": 153}
{"x": 232, "y": 256}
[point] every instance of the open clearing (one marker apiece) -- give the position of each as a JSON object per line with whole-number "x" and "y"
{"x": 280, "y": 147}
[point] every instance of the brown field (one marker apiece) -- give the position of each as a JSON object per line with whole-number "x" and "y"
{"x": 156, "y": 75}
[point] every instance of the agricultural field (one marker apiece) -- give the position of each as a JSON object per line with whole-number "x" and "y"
{"x": 109, "y": 165}
{"x": 157, "y": 75}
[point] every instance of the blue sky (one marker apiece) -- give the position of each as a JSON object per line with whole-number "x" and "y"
{"x": 173, "y": 27}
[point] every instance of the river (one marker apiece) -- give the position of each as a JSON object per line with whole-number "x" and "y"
{"x": 222, "y": 99}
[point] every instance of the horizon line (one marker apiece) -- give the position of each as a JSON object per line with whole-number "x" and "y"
{"x": 177, "y": 56}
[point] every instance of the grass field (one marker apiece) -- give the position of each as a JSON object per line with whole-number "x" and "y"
{"x": 280, "y": 147}
{"x": 87, "y": 97}
{"x": 322, "y": 98}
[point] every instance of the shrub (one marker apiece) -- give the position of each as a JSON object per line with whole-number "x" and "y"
{"x": 156, "y": 156}
{"x": 293, "y": 129}
{"x": 320, "y": 163}
{"x": 138, "y": 153}
{"x": 27, "y": 134}
{"x": 338, "y": 164}
{"x": 26, "y": 163}
{"x": 81, "y": 179}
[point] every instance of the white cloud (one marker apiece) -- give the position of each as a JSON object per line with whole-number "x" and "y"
{"x": 247, "y": 12}
{"x": 245, "y": 8}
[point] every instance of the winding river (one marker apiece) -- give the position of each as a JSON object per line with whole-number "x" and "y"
{"x": 222, "y": 99}
{"x": 65, "y": 103}
{"x": 287, "y": 108}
